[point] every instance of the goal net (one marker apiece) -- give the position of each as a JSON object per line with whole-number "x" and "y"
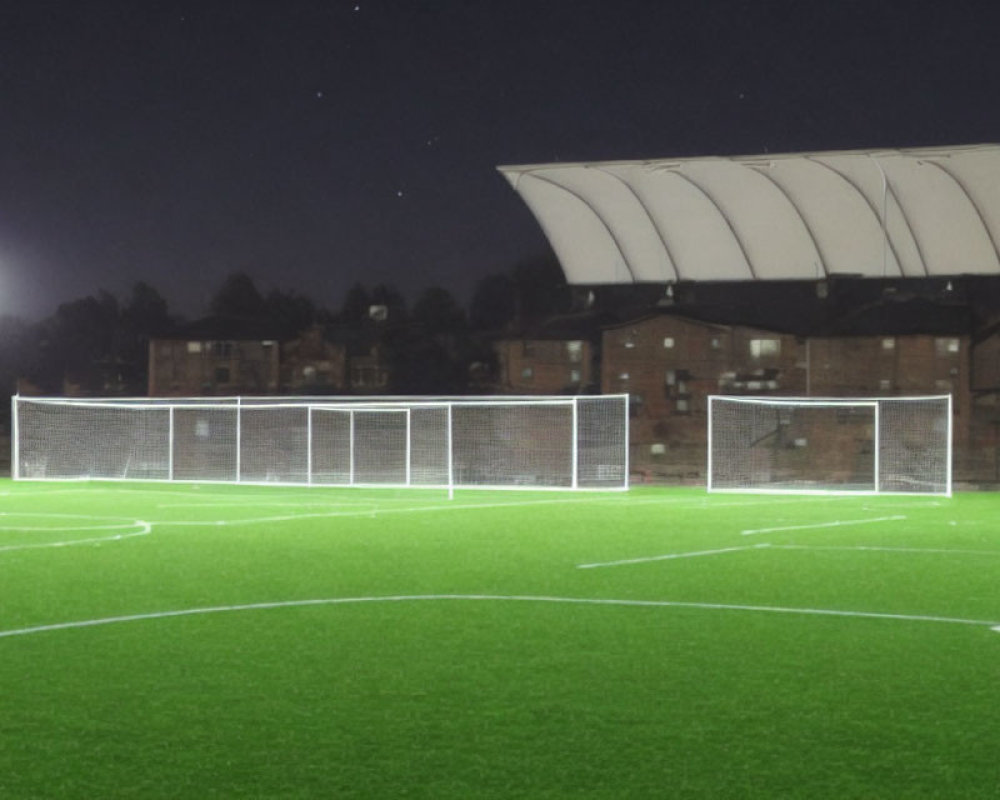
{"x": 539, "y": 442}
{"x": 894, "y": 445}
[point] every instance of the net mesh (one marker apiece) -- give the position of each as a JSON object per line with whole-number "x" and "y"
{"x": 876, "y": 445}
{"x": 204, "y": 444}
{"x": 914, "y": 445}
{"x": 550, "y": 442}
{"x": 71, "y": 442}
{"x": 331, "y": 446}
{"x": 274, "y": 444}
{"x": 513, "y": 445}
{"x": 602, "y": 442}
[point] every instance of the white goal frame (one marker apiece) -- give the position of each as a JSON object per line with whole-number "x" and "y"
{"x": 537, "y": 442}
{"x": 744, "y": 452}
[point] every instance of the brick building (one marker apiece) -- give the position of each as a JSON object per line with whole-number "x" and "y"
{"x": 561, "y": 356}
{"x": 312, "y": 364}
{"x": 222, "y": 357}
{"x": 215, "y": 357}
{"x": 669, "y": 364}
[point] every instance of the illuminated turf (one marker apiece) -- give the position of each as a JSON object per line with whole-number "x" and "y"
{"x": 213, "y": 641}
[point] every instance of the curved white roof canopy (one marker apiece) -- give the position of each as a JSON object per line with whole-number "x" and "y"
{"x": 880, "y": 213}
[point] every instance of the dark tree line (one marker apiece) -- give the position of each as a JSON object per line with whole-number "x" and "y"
{"x": 99, "y": 343}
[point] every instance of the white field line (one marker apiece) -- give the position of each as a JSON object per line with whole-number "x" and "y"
{"x": 814, "y": 526}
{"x": 330, "y": 601}
{"x": 769, "y": 546}
{"x": 709, "y": 502}
{"x": 880, "y": 549}
{"x": 34, "y": 490}
{"x": 290, "y": 502}
{"x": 117, "y": 522}
{"x": 670, "y": 556}
{"x": 911, "y": 504}
{"x": 144, "y": 529}
{"x": 370, "y": 511}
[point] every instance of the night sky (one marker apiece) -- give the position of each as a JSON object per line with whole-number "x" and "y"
{"x": 314, "y": 145}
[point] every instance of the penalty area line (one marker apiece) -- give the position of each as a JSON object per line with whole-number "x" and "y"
{"x": 589, "y": 601}
{"x": 670, "y": 556}
{"x": 816, "y": 525}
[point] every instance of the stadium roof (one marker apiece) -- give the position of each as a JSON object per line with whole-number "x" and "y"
{"x": 874, "y": 213}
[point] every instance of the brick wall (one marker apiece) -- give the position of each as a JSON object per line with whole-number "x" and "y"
{"x": 544, "y": 366}
{"x": 179, "y": 368}
{"x": 311, "y": 364}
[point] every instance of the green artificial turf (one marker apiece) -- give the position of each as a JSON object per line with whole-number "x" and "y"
{"x": 337, "y": 643}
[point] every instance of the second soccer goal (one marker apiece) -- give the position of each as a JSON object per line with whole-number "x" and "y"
{"x": 892, "y": 445}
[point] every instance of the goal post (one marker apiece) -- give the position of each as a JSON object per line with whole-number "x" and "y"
{"x": 563, "y": 442}
{"x": 789, "y": 445}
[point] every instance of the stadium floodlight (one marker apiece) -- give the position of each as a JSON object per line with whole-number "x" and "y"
{"x": 886, "y": 445}
{"x": 487, "y": 442}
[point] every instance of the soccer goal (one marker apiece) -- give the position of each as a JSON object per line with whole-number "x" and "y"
{"x": 487, "y": 442}
{"x": 891, "y": 445}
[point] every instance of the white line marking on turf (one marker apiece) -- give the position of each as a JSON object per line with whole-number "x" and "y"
{"x": 768, "y": 545}
{"x": 145, "y": 528}
{"x": 669, "y": 556}
{"x": 280, "y": 503}
{"x": 591, "y": 601}
{"x": 370, "y": 511}
{"x": 835, "y": 524}
{"x": 116, "y": 524}
{"x": 865, "y": 547}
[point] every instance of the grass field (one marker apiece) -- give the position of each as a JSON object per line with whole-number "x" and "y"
{"x": 226, "y": 641}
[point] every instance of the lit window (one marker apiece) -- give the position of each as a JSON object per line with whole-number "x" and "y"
{"x": 309, "y": 373}
{"x": 194, "y": 347}
{"x": 760, "y": 348}
{"x": 574, "y": 376}
{"x": 888, "y": 343}
{"x": 683, "y": 405}
{"x": 575, "y": 351}
{"x": 623, "y": 376}
{"x": 668, "y": 341}
{"x": 657, "y": 449}
{"x": 629, "y": 344}
{"x": 946, "y": 346}
{"x": 716, "y": 343}
{"x": 885, "y": 385}
{"x": 671, "y": 377}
